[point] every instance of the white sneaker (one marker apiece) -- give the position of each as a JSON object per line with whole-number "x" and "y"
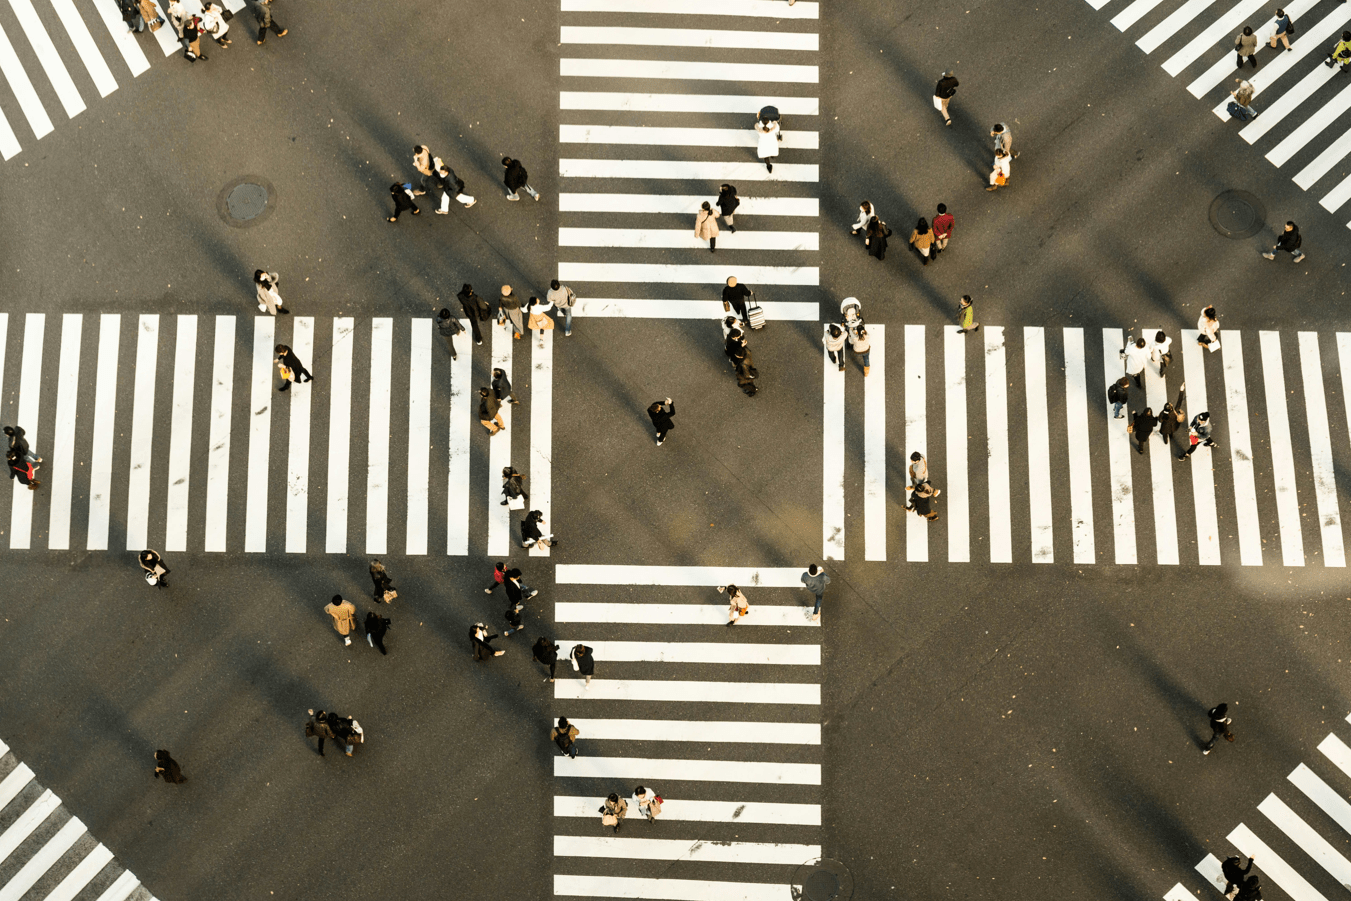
{"x": 347, "y": 640}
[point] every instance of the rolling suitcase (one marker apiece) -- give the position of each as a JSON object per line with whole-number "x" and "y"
{"x": 755, "y": 314}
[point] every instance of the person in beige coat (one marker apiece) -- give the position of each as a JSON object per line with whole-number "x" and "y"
{"x": 344, "y": 617}
{"x": 269, "y": 300}
{"x": 706, "y": 226}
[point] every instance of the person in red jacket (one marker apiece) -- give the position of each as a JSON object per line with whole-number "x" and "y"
{"x": 942, "y": 228}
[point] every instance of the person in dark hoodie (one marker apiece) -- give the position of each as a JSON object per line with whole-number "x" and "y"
{"x": 727, "y": 203}
{"x": 516, "y": 179}
{"x": 1289, "y": 241}
{"x": 661, "y": 414}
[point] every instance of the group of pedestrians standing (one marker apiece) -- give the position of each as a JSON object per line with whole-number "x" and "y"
{"x": 1136, "y": 356}
{"x": 213, "y": 21}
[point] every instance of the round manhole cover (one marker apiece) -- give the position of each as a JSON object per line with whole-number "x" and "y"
{"x": 246, "y": 201}
{"x": 823, "y": 880}
{"x": 1237, "y": 214}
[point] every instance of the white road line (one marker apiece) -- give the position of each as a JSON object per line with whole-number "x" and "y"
{"x": 958, "y": 487}
{"x": 339, "y": 435}
{"x": 728, "y": 731}
{"x": 1134, "y": 13}
{"x": 1170, "y": 26}
{"x": 1302, "y": 834}
{"x": 419, "y": 434}
{"x": 499, "y": 450}
{"x": 1223, "y": 67}
{"x": 1202, "y": 460}
{"x": 666, "y": 136}
{"x": 689, "y": 576}
{"x": 1335, "y": 749}
{"x": 180, "y": 436}
{"x": 105, "y": 406}
{"x": 1217, "y": 31}
{"x": 687, "y": 274}
{"x": 1077, "y": 412}
{"x": 541, "y": 431}
{"x": 681, "y": 614}
{"x": 42, "y": 860}
{"x": 684, "y": 810}
{"x": 27, "y": 823}
{"x": 678, "y": 70}
{"x": 670, "y": 889}
{"x": 624, "y": 308}
{"x": 30, "y": 389}
{"x": 1312, "y": 38}
{"x": 1161, "y": 470}
{"x": 612, "y": 846}
{"x": 63, "y": 440}
{"x": 1282, "y": 451}
{"x": 117, "y": 30}
{"x": 1285, "y": 104}
{"x": 700, "y": 652}
{"x": 260, "y": 434}
{"x": 684, "y": 238}
{"x": 1320, "y": 451}
{"x": 23, "y": 88}
{"x": 301, "y": 398}
{"x": 83, "y": 42}
{"x": 623, "y": 768}
{"x": 47, "y": 56}
{"x": 1311, "y": 128}
{"x": 16, "y": 781}
{"x": 684, "y": 204}
{"x": 685, "y": 103}
{"x": 690, "y": 37}
{"x": 463, "y": 420}
{"x": 1337, "y": 197}
{"x": 766, "y": 9}
{"x": 997, "y": 443}
{"x": 1098, "y": 4}
{"x": 1210, "y": 869}
{"x": 1240, "y": 440}
{"x": 121, "y": 888}
{"x": 218, "y": 444}
{"x": 142, "y": 433}
{"x": 688, "y": 170}
{"x": 687, "y": 691}
{"x": 1119, "y": 453}
{"x": 1273, "y": 867}
{"x": 1323, "y": 163}
{"x": 874, "y": 443}
{"x": 9, "y": 142}
{"x": 1343, "y": 359}
{"x": 83, "y": 873}
{"x": 1038, "y": 445}
{"x": 916, "y": 438}
{"x": 1325, "y": 796}
{"x": 377, "y": 456}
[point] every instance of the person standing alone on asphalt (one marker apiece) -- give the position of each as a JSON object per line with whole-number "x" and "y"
{"x": 564, "y": 298}
{"x": 706, "y": 226}
{"x": 516, "y": 179}
{"x": 943, "y": 94}
{"x": 448, "y": 327}
{"x": 942, "y": 226}
{"x": 269, "y": 299}
{"x": 1118, "y": 394}
{"x": 815, "y": 580}
{"x": 727, "y": 203}
{"x": 1288, "y": 241}
{"x": 344, "y": 617}
{"x": 1245, "y": 45}
{"x": 661, "y": 414}
{"x": 966, "y": 316}
{"x": 1219, "y": 726}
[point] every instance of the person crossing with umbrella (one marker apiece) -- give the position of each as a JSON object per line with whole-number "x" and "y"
{"x": 767, "y": 127}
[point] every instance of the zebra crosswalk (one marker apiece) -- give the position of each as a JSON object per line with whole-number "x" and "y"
{"x": 1312, "y": 825}
{"x": 47, "y": 852}
{"x": 741, "y": 784}
{"x": 1299, "y": 100}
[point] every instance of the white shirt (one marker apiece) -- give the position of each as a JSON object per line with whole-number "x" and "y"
{"x": 1136, "y": 357}
{"x": 1001, "y": 165}
{"x": 919, "y": 470}
{"x": 1208, "y": 327}
{"x": 1159, "y": 348}
{"x": 863, "y": 217}
{"x": 648, "y": 797}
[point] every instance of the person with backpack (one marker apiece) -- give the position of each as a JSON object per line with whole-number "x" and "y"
{"x": 564, "y": 736}
{"x": 1118, "y": 394}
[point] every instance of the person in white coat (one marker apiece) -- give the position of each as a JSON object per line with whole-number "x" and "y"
{"x": 214, "y": 24}
{"x": 768, "y": 146}
{"x": 866, "y": 211}
{"x": 269, "y": 300}
{"x": 1161, "y": 351}
{"x": 648, "y": 802}
{"x": 1208, "y": 325}
{"x": 1136, "y": 355}
{"x": 999, "y": 176}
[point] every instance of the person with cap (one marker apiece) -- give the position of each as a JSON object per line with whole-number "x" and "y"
{"x": 944, "y": 91}
{"x": 1199, "y": 434}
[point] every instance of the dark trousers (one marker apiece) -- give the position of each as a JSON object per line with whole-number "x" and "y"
{"x": 264, "y": 26}
{"x": 1251, "y": 59}
{"x": 378, "y": 639}
{"x": 661, "y": 434}
{"x": 450, "y": 345}
{"x": 837, "y": 357}
{"x": 1208, "y": 442}
{"x": 473, "y": 324}
{"x": 382, "y": 585}
{"x": 1139, "y": 379}
{"x": 1216, "y": 731}
{"x": 401, "y": 203}
{"x": 817, "y": 609}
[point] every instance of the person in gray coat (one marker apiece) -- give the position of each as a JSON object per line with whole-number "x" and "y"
{"x": 815, "y": 580}
{"x": 448, "y": 326}
{"x": 262, "y": 11}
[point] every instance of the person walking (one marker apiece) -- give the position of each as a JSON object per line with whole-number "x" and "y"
{"x": 834, "y": 341}
{"x": 153, "y": 564}
{"x": 875, "y": 238}
{"x": 343, "y": 730}
{"x": 451, "y": 185}
{"x": 613, "y": 811}
{"x": 942, "y": 226}
{"x": 767, "y": 145}
{"x": 736, "y": 603}
{"x": 1284, "y": 29}
{"x": 1245, "y": 45}
{"x": 1241, "y": 106}
{"x": 515, "y": 619}
{"x": 376, "y": 628}
{"x": 1172, "y": 417}
{"x": 168, "y": 768}
{"x": 918, "y": 469}
{"x": 1003, "y": 139}
{"x": 966, "y": 315}
{"x": 319, "y": 726}
{"x": 448, "y": 327}
{"x": 403, "y": 200}
{"x": 546, "y": 652}
{"x": 517, "y": 591}
{"x": 481, "y": 642}
{"x": 734, "y": 297}
{"x": 999, "y": 176}
{"x": 706, "y": 226}
{"x": 858, "y": 340}
{"x": 262, "y": 11}
{"x": 922, "y": 240}
{"x": 509, "y": 310}
{"x": 177, "y": 16}
{"x": 384, "y": 585}
{"x": 292, "y": 370}
{"x": 213, "y": 23}
{"x": 944, "y": 91}
{"x": 1340, "y": 54}
{"x": 564, "y": 298}
{"x": 422, "y": 162}
{"x": 269, "y": 298}
{"x": 1141, "y": 427}
{"x": 1234, "y": 873}
{"x": 1199, "y": 434}
{"x": 815, "y": 580}
{"x": 131, "y": 14}
{"x": 866, "y": 211}
{"x": 1249, "y": 890}
{"x": 649, "y": 803}
{"x": 499, "y": 577}
{"x": 513, "y": 489}
{"x": 344, "y": 617}
{"x": 531, "y": 534}
{"x": 489, "y": 412}
{"x": 1288, "y": 241}
{"x": 475, "y": 308}
{"x": 502, "y": 387}
{"x": 564, "y": 735}
{"x": 1161, "y": 351}
{"x": 1118, "y": 394}
{"x": 727, "y": 203}
{"x": 922, "y": 501}
{"x": 539, "y": 315}
{"x": 660, "y": 413}
{"x": 1220, "y": 721}
{"x": 583, "y": 662}
{"x": 516, "y": 179}
{"x": 1208, "y": 326}
{"x": 18, "y": 442}
{"x": 1136, "y": 356}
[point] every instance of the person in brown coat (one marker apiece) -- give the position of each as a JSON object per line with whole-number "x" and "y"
{"x": 344, "y": 617}
{"x": 922, "y": 239}
{"x": 706, "y": 226}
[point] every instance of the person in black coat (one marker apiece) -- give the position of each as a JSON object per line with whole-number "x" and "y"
{"x": 1234, "y": 874}
{"x": 517, "y": 591}
{"x": 586, "y": 664}
{"x": 875, "y": 236}
{"x": 19, "y": 442}
{"x": 516, "y": 179}
{"x": 448, "y": 327}
{"x": 1169, "y": 417}
{"x": 403, "y": 200}
{"x": 168, "y": 768}
{"x": 1142, "y": 426}
{"x": 531, "y": 534}
{"x": 376, "y": 627}
{"x": 546, "y": 652}
{"x": 476, "y": 309}
{"x": 661, "y": 418}
{"x": 513, "y": 486}
{"x": 943, "y": 93}
{"x": 727, "y": 203}
{"x": 481, "y": 641}
{"x": 288, "y": 358}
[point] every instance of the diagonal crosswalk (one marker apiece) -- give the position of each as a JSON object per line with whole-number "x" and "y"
{"x": 1302, "y": 104}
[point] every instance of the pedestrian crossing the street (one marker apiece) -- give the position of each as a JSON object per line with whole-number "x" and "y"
{"x": 1297, "y": 841}
{"x": 653, "y": 108}
{"x": 1302, "y": 104}
{"x": 48, "y": 852}
{"x": 733, "y": 748}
